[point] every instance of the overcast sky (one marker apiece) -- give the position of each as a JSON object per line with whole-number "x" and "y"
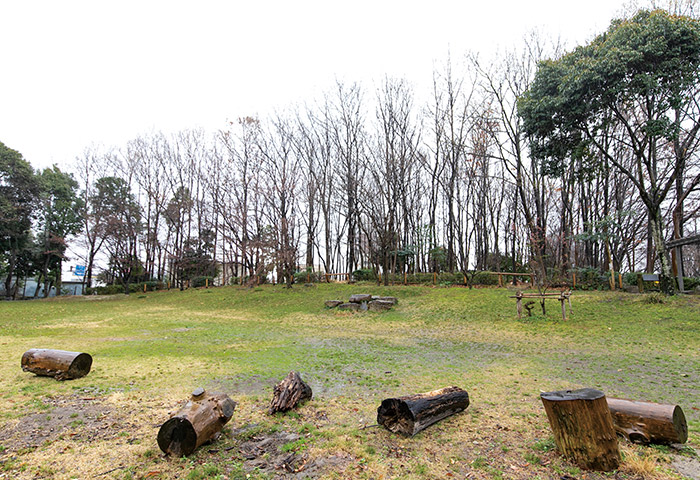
{"x": 77, "y": 73}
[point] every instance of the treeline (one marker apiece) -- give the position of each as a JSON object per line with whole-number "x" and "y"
{"x": 480, "y": 177}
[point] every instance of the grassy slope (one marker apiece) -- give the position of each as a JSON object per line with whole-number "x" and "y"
{"x": 151, "y": 350}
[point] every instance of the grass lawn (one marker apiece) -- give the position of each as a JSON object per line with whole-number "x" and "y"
{"x": 150, "y": 351}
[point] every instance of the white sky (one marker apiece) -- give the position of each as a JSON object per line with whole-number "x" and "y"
{"x": 77, "y": 73}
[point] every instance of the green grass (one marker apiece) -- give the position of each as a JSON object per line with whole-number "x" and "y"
{"x": 151, "y": 350}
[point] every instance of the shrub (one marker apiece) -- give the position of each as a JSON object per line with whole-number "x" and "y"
{"x": 197, "y": 282}
{"x": 306, "y": 276}
{"x": 364, "y": 275}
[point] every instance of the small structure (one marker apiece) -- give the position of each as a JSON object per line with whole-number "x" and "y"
{"x": 363, "y": 302}
{"x": 564, "y": 296}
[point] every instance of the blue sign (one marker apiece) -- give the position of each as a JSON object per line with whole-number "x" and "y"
{"x": 79, "y": 271}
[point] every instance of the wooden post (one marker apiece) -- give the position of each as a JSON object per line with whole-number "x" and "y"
{"x": 583, "y": 428}
{"x": 405, "y": 278}
{"x": 197, "y": 422}
{"x": 206, "y": 283}
{"x": 144, "y": 287}
{"x": 411, "y": 414}
{"x": 379, "y": 276}
{"x": 59, "y": 364}
{"x": 434, "y": 277}
{"x": 562, "y": 299}
{"x": 519, "y": 302}
{"x": 500, "y": 280}
{"x": 646, "y": 422}
{"x": 619, "y": 275}
{"x": 574, "y": 280}
{"x": 465, "y": 279}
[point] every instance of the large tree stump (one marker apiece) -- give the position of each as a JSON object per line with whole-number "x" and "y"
{"x": 290, "y": 392}
{"x": 60, "y": 364}
{"x": 411, "y": 414}
{"x": 200, "y": 420}
{"x": 646, "y": 422}
{"x": 583, "y": 428}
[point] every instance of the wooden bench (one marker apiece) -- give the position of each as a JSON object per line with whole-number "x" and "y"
{"x": 563, "y": 296}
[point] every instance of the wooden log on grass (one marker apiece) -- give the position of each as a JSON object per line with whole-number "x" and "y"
{"x": 647, "y": 422}
{"x": 289, "y": 393}
{"x": 583, "y": 428}
{"x": 59, "y": 364}
{"x": 200, "y": 420}
{"x": 411, "y": 414}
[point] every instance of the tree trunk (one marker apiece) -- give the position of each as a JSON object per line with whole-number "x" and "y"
{"x": 60, "y": 364}
{"x": 646, "y": 422}
{"x": 289, "y": 393}
{"x": 583, "y": 428}
{"x": 411, "y": 414}
{"x": 200, "y": 420}
{"x": 667, "y": 283}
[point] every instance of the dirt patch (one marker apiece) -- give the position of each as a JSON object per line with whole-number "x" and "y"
{"x": 686, "y": 466}
{"x": 243, "y": 385}
{"x": 74, "y": 417}
{"x": 282, "y": 454}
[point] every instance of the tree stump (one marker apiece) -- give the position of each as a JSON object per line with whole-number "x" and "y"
{"x": 199, "y": 421}
{"x": 290, "y": 392}
{"x": 647, "y": 422}
{"x": 411, "y": 414}
{"x": 583, "y": 428}
{"x": 60, "y": 364}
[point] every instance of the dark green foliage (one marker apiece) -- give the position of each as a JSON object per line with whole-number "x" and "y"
{"x": 19, "y": 189}
{"x": 364, "y": 275}
{"x": 621, "y": 101}
{"x": 307, "y": 275}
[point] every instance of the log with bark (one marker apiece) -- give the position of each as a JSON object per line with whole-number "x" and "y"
{"x": 200, "y": 420}
{"x": 60, "y": 364}
{"x": 411, "y": 414}
{"x": 583, "y": 428}
{"x": 647, "y": 422}
{"x": 289, "y": 393}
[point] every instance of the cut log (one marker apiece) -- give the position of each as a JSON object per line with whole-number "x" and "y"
{"x": 289, "y": 393}
{"x": 647, "y": 422}
{"x": 199, "y": 421}
{"x": 333, "y": 303}
{"x": 583, "y": 428}
{"x": 379, "y": 305}
{"x": 360, "y": 297}
{"x": 411, "y": 414}
{"x": 60, "y": 364}
{"x": 393, "y": 300}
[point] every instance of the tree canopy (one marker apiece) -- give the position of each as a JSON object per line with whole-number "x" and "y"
{"x": 627, "y": 99}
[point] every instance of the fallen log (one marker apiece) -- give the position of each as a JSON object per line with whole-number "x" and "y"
{"x": 199, "y": 421}
{"x": 583, "y": 428}
{"x": 411, "y": 414}
{"x": 290, "y": 392}
{"x": 60, "y": 364}
{"x": 647, "y": 422}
